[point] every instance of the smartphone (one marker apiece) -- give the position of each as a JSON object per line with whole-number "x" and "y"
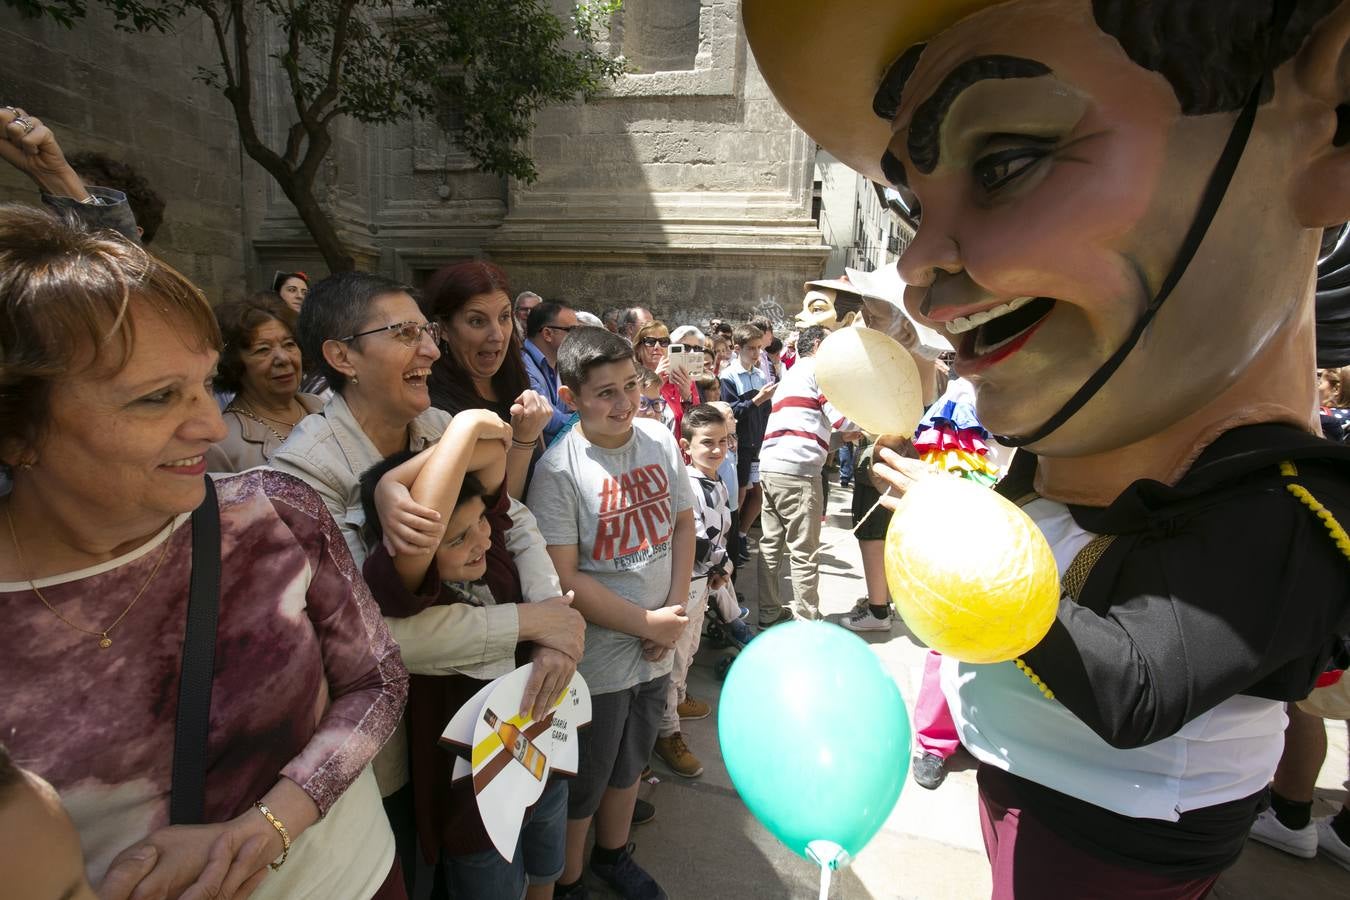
{"x": 687, "y": 359}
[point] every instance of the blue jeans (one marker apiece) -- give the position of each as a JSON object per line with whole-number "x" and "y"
{"x": 846, "y": 457}
{"x": 538, "y": 858}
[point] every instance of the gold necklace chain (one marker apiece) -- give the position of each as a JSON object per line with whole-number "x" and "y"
{"x": 104, "y": 640}
{"x": 248, "y": 413}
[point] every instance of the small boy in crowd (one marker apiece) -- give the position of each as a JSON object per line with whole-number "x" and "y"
{"x": 746, "y": 389}
{"x": 620, "y": 530}
{"x": 652, "y": 405}
{"x": 704, "y": 438}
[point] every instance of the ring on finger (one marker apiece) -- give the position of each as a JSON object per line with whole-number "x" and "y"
{"x": 23, "y": 123}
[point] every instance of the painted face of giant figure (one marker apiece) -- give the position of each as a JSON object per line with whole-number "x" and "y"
{"x": 1056, "y": 177}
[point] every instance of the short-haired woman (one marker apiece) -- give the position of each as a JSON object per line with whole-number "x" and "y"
{"x": 106, "y": 414}
{"x": 261, "y": 366}
{"x": 376, "y": 349}
{"x": 651, "y": 350}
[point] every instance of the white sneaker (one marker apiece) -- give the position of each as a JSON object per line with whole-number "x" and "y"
{"x": 1302, "y": 843}
{"x": 863, "y": 620}
{"x": 1330, "y": 843}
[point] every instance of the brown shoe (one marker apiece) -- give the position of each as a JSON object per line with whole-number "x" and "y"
{"x": 784, "y": 615}
{"x": 690, "y": 708}
{"x": 675, "y": 753}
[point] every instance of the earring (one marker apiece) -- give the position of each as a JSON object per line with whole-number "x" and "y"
{"x": 355, "y": 380}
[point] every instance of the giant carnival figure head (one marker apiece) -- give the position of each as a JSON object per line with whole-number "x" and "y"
{"x": 1119, "y": 204}
{"x": 820, "y": 304}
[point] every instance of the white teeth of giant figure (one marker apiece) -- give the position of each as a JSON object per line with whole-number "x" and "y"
{"x": 962, "y": 324}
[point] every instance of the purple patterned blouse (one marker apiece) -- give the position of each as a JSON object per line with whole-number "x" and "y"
{"x": 308, "y": 682}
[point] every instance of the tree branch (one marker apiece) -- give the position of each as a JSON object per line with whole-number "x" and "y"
{"x": 331, "y": 87}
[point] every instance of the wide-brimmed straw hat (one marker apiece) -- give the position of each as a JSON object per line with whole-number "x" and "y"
{"x": 824, "y": 61}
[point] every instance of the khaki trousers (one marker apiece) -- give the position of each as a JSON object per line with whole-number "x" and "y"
{"x": 790, "y": 519}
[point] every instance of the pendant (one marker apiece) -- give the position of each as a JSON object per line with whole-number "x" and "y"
{"x": 105, "y": 642}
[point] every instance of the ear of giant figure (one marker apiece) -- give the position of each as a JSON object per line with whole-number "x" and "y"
{"x": 1057, "y": 153}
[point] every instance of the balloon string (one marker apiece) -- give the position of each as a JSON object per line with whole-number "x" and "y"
{"x": 824, "y": 883}
{"x": 854, "y": 530}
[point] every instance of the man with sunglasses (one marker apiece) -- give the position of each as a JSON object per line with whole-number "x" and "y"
{"x": 546, "y": 328}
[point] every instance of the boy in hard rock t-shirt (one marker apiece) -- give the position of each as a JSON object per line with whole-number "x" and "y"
{"x": 614, "y": 507}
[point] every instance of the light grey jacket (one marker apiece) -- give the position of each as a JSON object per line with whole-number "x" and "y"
{"x": 329, "y": 451}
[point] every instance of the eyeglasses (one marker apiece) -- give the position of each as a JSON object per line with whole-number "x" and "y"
{"x": 653, "y": 341}
{"x": 408, "y": 333}
{"x": 652, "y": 404}
{"x": 563, "y": 328}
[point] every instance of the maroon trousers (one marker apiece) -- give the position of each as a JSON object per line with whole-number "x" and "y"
{"x": 1030, "y": 862}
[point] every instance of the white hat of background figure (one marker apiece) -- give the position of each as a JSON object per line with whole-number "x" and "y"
{"x": 886, "y": 284}
{"x": 591, "y": 319}
{"x": 684, "y": 332}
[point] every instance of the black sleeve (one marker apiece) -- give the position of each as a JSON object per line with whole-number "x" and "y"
{"x": 1243, "y": 597}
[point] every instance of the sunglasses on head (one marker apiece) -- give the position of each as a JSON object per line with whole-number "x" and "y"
{"x": 654, "y": 341}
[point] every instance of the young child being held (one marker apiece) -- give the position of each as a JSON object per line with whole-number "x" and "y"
{"x": 615, "y": 510}
{"x": 41, "y": 859}
{"x": 451, "y": 496}
{"x": 704, "y": 439}
{"x": 652, "y": 405}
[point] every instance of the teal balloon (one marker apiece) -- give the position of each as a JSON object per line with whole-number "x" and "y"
{"x": 815, "y": 735}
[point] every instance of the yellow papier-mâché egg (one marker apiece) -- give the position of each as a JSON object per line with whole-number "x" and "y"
{"x": 969, "y": 572}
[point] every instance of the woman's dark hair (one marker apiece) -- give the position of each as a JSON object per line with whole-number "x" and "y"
{"x": 238, "y": 321}
{"x": 444, "y": 295}
{"x": 100, "y": 170}
{"x": 279, "y": 279}
{"x": 336, "y": 308}
{"x": 371, "y": 532}
{"x": 11, "y": 776}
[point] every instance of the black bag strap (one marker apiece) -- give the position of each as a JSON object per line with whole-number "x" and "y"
{"x": 187, "y": 797}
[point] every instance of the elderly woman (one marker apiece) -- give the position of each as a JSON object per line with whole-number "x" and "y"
{"x": 651, "y": 350}
{"x": 106, "y": 415}
{"x": 377, "y": 349}
{"x": 260, "y": 366}
{"x": 484, "y": 367}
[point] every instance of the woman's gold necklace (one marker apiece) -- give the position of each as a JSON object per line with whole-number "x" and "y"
{"x": 245, "y": 410}
{"x": 104, "y": 641}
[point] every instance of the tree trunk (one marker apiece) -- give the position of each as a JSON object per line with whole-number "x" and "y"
{"x": 320, "y": 226}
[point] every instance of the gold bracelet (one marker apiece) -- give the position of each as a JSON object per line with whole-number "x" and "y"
{"x": 524, "y": 446}
{"x": 281, "y": 830}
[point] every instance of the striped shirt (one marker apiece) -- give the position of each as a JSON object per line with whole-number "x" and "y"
{"x": 797, "y": 438}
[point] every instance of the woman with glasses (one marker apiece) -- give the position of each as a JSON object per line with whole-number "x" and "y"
{"x": 482, "y": 367}
{"x": 260, "y": 366}
{"x": 377, "y": 350}
{"x": 651, "y": 349}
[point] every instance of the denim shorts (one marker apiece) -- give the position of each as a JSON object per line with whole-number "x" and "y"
{"x": 614, "y": 749}
{"x": 538, "y": 858}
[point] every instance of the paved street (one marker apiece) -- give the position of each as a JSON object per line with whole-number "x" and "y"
{"x": 705, "y": 844}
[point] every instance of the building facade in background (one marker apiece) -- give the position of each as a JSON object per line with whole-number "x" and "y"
{"x": 685, "y": 188}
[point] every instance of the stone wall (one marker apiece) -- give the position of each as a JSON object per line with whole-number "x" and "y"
{"x": 133, "y": 98}
{"x": 687, "y": 190}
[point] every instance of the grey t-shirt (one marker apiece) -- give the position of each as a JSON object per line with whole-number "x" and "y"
{"x": 619, "y": 508}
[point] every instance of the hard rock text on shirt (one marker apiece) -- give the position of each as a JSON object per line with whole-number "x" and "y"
{"x": 635, "y": 521}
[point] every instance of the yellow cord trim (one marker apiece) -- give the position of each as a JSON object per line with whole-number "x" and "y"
{"x": 1305, "y": 496}
{"x": 1035, "y": 679}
